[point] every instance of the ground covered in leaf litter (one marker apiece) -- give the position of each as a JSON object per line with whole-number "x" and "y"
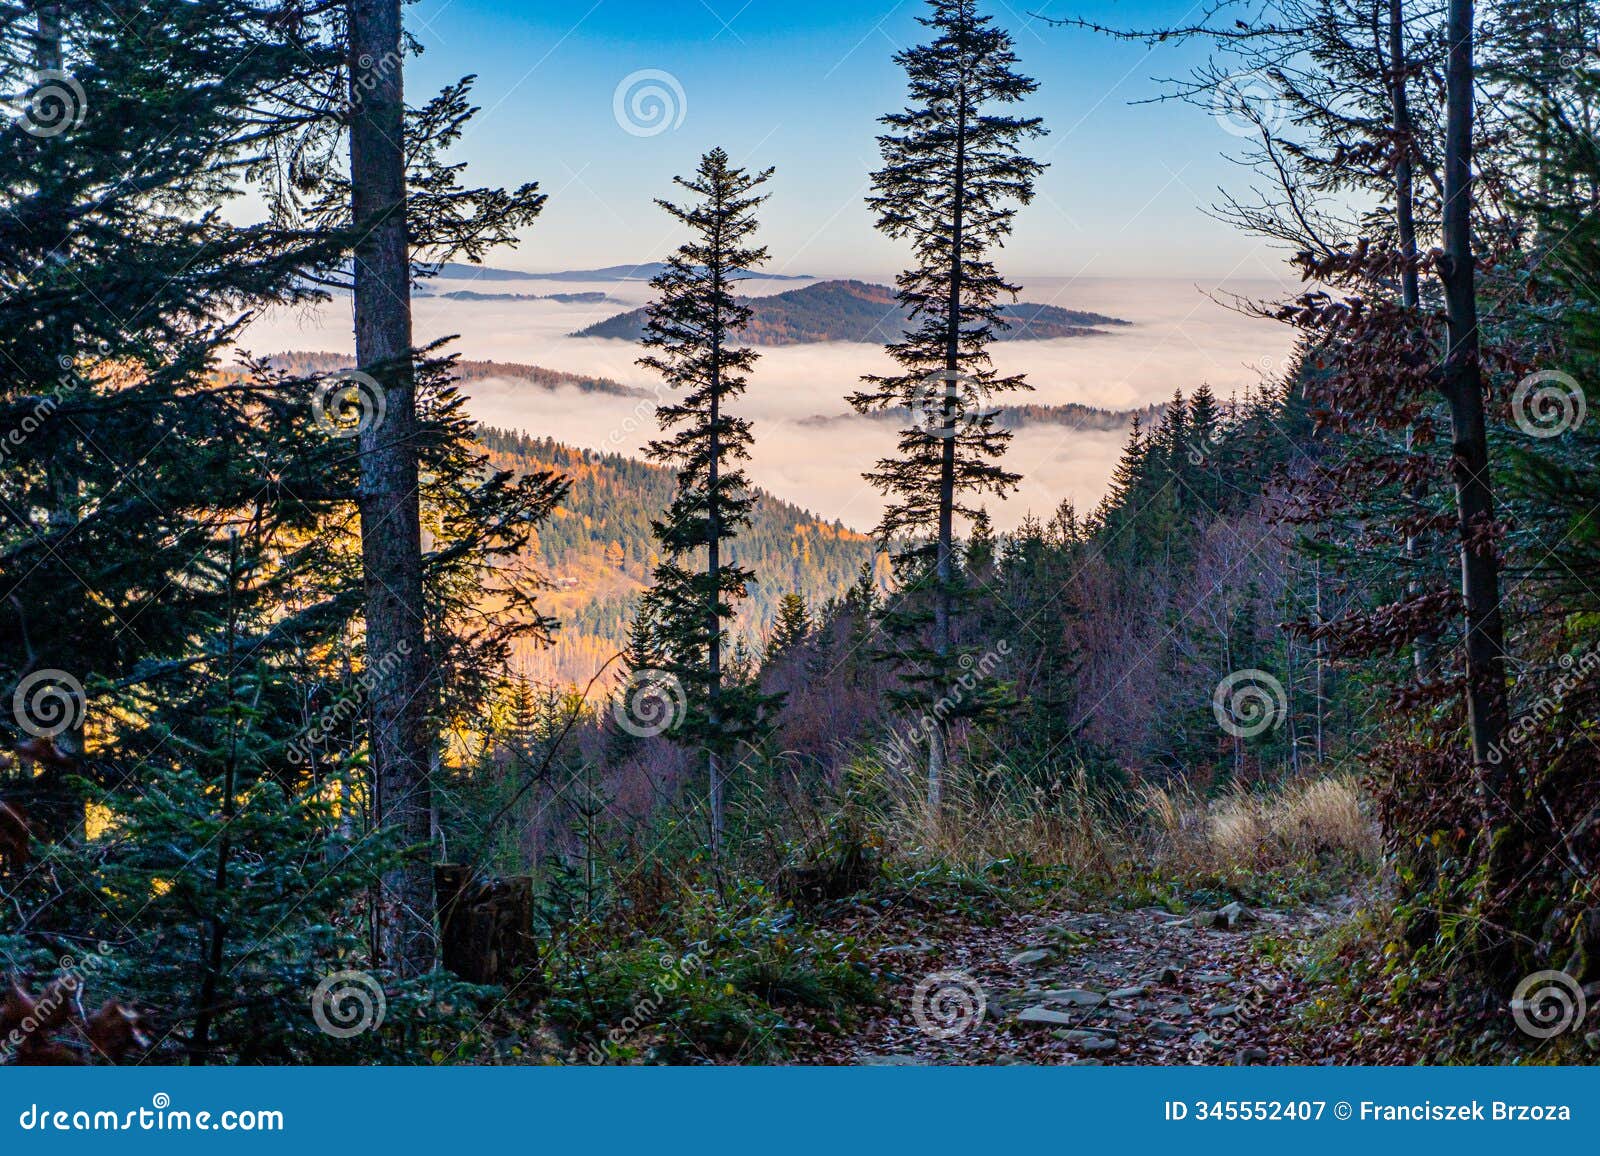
{"x": 1085, "y": 987}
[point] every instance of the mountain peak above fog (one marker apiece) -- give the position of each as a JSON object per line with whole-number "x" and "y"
{"x": 862, "y": 312}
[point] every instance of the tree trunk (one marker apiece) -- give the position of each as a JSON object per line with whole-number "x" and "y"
{"x": 1425, "y": 651}
{"x": 391, "y": 542}
{"x": 944, "y": 559}
{"x": 1462, "y": 386}
{"x": 1404, "y": 195}
{"x": 714, "y": 568}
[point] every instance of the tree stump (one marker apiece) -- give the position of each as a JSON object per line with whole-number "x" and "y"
{"x": 485, "y": 924}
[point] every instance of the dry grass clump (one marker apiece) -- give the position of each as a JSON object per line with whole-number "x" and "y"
{"x": 1297, "y": 828}
{"x": 1300, "y": 824}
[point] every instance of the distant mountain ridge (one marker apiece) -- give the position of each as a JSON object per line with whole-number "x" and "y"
{"x": 641, "y": 272}
{"x": 862, "y": 312}
{"x": 1070, "y": 414}
{"x": 308, "y": 363}
{"x": 588, "y": 298}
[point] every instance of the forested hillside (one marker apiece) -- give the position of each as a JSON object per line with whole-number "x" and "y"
{"x": 643, "y": 271}
{"x": 1069, "y": 414}
{"x": 857, "y": 311}
{"x": 586, "y": 298}
{"x": 597, "y": 551}
{"x": 310, "y": 364}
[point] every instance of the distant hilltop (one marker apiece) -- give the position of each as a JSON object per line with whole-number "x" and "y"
{"x": 1084, "y": 418}
{"x": 305, "y": 363}
{"x": 859, "y": 311}
{"x": 642, "y": 272}
{"x": 589, "y": 298}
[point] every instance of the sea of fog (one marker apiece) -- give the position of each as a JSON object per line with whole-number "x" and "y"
{"x": 1183, "y": 333}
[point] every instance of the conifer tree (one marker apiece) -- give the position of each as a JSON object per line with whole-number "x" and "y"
{"x": 693, "y": 325}
{"x": 952, "y": 177}
{"x": 981, "y": 547}
{"x": 792, "y": 627}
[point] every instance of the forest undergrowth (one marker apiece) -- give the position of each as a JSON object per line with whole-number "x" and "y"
{"x": 801, "y": 938}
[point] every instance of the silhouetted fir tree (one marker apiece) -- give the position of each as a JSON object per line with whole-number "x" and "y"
{"x": 1124, "y": 477}
{"x": 1205, "y": 432}
{"x": 1172, "y": 435}
{"x": 952, "y": 177}
{"x": 792, "y": 627}
{"x": 694, "y": 322}
{"x": 980, "y": 547}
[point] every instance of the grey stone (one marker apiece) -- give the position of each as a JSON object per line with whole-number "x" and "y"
{"x": 1250, "y": 1056}
{"x": 1075, "y": 997}
{"x": 1094, "y": 1047}
{"x": 1045, "y": 1015}
{"x": 895, "y": 1061}
{"x": 1164, "y": 974}
{"x": 1162, "y": 1030}
{"x": 1030, "y": 957}
{"x": 1125, "y": 993}
{"x": 1081, "y": 1035}
{"x": 1222, "y": 1011}
{"x": 1226, "y": 918}
{"x": 1213, "y": 977}
{"x": 908, "y": 949}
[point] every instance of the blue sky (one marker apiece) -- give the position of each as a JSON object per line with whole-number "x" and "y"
{"x": 798, "y": 86}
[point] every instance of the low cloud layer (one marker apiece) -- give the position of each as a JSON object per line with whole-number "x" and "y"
{"x": 1179, "y": 339}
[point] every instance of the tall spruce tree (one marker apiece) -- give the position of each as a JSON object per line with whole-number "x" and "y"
{"x": 953, "y": 175}
{"x": 792, "y": 627}
{"x": 693, "y": 324}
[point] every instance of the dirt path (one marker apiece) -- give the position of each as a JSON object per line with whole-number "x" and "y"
{"x": 1097, "y": 987}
